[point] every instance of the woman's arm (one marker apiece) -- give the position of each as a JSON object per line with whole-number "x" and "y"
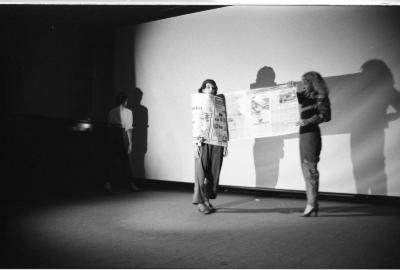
{"x": 323, "y": 107}
{"x": 225, "y": 153}
{"x": 129, "y": 135}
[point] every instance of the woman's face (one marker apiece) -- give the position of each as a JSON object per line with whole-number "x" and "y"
{"x": 307, "y": 85}
{"x": 208, "y": 89}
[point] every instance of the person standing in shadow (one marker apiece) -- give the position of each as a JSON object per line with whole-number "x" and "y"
{"x": 315, "y": 108}
{"x": 268, "y": 151}
{"x": 139, "y": 134}
{"x": 120, "y": 121}
{"x": 208, "y": 163}
{"x": 375, "y": 93}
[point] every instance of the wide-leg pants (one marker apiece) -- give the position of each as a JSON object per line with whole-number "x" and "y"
{"x": 207, "y": 171}
{"x": 310, "y": 149}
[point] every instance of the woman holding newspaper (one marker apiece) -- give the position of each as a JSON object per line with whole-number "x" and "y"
{"x": 314, "y": 109}
{"x": 209, "y": 153}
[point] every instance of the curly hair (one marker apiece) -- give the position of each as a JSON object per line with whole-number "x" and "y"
{"x": 315, "y": 85}
{"x": 214, "y": 86}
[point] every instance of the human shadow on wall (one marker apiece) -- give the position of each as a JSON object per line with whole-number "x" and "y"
{"x": 268, "y": 151}
{"x": 139, "y": 135}
{"x": 360, "y": 104}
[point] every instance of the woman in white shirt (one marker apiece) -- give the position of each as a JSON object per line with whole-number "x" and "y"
{"x": 120, "y": 140}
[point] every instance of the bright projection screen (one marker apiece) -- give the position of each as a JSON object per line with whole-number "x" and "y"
{"x": 356, "y": 49}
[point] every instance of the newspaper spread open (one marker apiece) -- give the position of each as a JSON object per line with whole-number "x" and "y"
{"x": 209, "y": 119}
{"x": 262, "y": 112}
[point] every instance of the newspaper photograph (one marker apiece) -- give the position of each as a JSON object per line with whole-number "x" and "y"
{"x": 260, "y": 113}
{"x": 209, "y": 119}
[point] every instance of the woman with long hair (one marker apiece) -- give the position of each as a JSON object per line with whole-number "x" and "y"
{"x": 315, "y": 108}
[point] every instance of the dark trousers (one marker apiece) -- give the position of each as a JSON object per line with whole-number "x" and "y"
{"x": 119, "y": 160}
{"x": 310, "y": 149}
{"x": 207, "y": 171}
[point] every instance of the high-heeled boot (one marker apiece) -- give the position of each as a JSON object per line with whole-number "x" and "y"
{"x": 312, "y": 186}
{"x": 311, "y": 210}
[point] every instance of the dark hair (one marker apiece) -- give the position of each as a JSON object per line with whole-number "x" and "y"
{"x": 266, "y": 75}
{"x": 376, "y": 69}
{"x": 214, "y": 86}
{"x": 121, "y": 98}
{"x": 317, "y": 83}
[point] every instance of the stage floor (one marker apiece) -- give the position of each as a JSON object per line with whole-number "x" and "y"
{"x": 160, "y": 228}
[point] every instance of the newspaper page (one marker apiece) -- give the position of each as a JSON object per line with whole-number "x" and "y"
{"x": 263, "y": 112}
{"x": 237, "y": 113}
{"x": 209, "y": 119}
{"x": 285, "y": 110}
{"x": 260, "y": 119}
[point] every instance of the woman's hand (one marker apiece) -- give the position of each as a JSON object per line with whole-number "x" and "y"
{"x": 291, "y": 84}
{"x": 302, "y": 123}
{"x": 198, "y": 140}
{"x": 196, "y": 146}
{"x": 196, "y": 151}
{"x": 225, "y": 153}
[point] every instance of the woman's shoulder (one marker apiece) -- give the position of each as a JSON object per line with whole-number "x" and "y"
{"x": 126, "y": 110}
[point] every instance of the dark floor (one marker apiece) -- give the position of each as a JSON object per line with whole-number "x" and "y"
{"x": 160, "y": 228}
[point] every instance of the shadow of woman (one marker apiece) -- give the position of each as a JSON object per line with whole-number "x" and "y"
{"x": 360, "y": 104}
{"x": 139, "y": 135}
{"x": 268, "y": 151}
{"x": 375, "y": 92}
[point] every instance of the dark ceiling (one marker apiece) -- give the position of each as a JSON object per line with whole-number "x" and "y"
{"x": 112, "y": 15}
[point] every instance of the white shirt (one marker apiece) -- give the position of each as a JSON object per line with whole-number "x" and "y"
{"x": 121, "y": 116}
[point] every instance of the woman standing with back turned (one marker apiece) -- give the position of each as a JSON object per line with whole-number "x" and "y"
{"x": 314, "y": 109}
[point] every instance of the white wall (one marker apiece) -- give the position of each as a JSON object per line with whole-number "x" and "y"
{"x": 173, "y": 56}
